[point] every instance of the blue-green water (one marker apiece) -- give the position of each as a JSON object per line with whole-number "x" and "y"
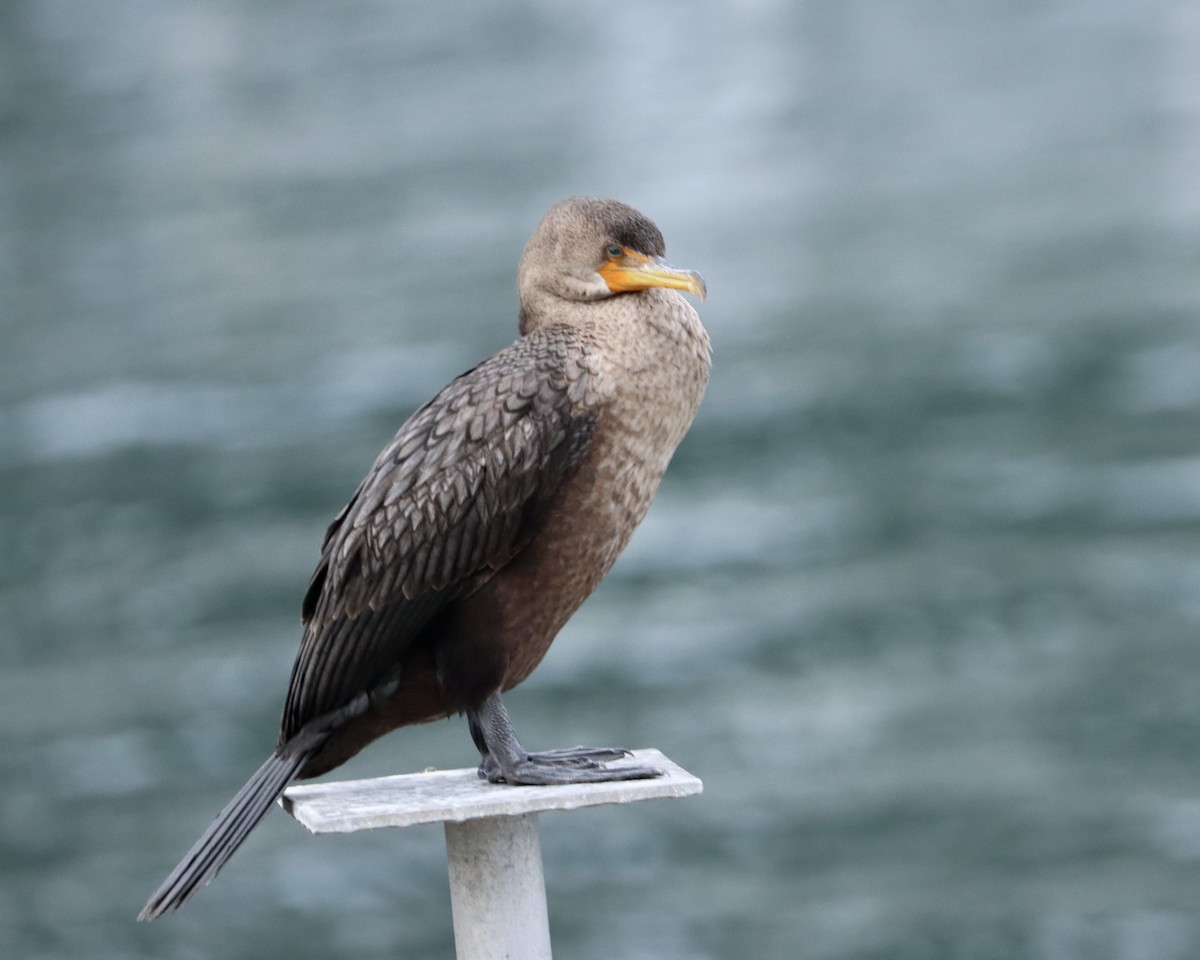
{"x": 918, "y": 601}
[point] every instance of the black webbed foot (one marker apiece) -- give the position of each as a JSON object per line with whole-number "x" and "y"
{"x": 506, "y": 761}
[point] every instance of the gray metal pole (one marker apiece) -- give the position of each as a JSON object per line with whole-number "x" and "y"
{"x": 497, "y": 889}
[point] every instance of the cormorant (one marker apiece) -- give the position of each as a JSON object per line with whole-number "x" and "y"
{"x": 489, "y": 518}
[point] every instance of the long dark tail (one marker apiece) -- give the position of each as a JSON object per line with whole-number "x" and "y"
{"x": 227, "y": 833}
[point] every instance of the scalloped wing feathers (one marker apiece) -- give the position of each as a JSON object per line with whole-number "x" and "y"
{"x": 447, "y": 503}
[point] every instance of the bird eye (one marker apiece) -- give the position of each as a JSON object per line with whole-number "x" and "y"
{"x": 613, "y": 252}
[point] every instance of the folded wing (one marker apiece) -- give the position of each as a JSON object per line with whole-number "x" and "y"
{"x": 453, "y": 497}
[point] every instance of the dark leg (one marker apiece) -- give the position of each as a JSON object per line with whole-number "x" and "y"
{"x": 506, "y": 761}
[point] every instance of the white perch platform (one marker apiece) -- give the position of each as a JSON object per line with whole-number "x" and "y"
{"x": 497, "y": 889}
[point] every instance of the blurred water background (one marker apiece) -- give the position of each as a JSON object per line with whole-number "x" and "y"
{"x": 918, "y": 600}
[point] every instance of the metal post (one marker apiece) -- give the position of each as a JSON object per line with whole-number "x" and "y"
{"x": 497, "y": 889}
{"x": 494, "y": 855}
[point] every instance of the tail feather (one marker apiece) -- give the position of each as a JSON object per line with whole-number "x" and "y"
{"x": 226, "y": 833}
